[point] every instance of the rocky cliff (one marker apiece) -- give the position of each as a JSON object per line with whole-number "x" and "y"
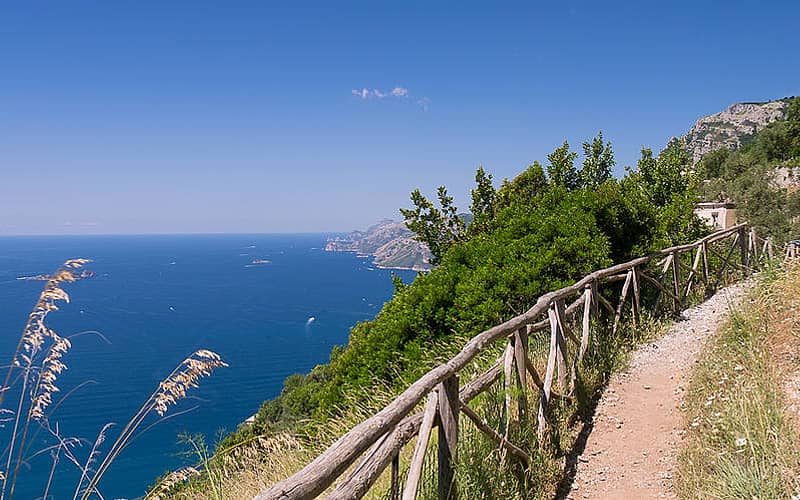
{"x": 733, "y": 127}
{"x": 389, "y": 242}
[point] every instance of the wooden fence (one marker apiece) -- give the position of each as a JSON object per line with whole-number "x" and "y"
{"x": 793, "y": 250}
{"x": 615, "y": 294}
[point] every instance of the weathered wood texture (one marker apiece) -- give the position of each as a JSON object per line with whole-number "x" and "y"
{"x": 418, "y": 459}
{"x": 394, "y": 426}
{"x": 449, "y": 407}
{"x": 360, "y": 480}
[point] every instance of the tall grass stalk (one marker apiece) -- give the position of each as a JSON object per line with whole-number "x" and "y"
{"x": 31, "y": 379}
{"x": 173, "y": 388}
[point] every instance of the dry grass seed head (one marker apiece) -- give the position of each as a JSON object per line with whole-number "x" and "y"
{"x": 52, "y": 366}
{"x": 198, "y": 365}
{"x": 36, "y": 332}
{"x": 171, "y": 480}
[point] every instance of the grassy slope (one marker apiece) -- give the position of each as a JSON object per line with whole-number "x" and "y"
{"x": 742, "y": 442}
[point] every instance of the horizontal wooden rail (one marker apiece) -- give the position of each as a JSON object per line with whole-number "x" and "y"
{"x": 393, "y": 426}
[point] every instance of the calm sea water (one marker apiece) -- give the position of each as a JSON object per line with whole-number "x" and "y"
{"x": 157, "y": 299}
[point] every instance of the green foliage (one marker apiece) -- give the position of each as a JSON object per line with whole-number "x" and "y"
{"x": 669, "y": 184}
{"x": 198, "y": 452}
{"x": 561, "y": 170}
{"x": 523, "y": 188}
{"x": 484, "y": 199}
{"x": 668, "y": 175}
{"x": 793, "y": 125}
{"x": 397, "y": 282}
{"x": 436, "y": 227}
{"x": 597, "y": 162}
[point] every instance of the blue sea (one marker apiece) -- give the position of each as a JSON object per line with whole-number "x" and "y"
{"x": 156, "y": 299}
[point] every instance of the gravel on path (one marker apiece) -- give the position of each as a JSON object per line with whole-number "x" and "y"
{"x": 631, "y": 451}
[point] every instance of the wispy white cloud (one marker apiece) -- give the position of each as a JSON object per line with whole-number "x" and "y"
{"x": 395, "y": 93}
{"x": 366, "y": 93}
{"x": 400, "y": 92}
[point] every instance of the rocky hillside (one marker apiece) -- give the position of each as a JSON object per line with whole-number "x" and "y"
{"x": 390, "y": 243}
{"x": 733, "y": 127}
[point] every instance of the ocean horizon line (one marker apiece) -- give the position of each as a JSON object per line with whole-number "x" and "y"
{"x": 81, "y": 235}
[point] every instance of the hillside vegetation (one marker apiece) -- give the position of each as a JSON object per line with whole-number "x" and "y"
{"x": 542, "y": 230}
{"x": 749, "y": 176}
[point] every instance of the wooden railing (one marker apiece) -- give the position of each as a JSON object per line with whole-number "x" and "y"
{"x": 793, "y": 250}
{"x": 667, "y": 278}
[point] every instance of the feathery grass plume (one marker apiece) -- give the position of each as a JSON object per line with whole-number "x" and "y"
{"x": 161, "y": 490}
{"x": 37, "y": 381}
{"x": 200, "y": 364}
{"x": 173, "y": 388}
{"x": 52, "y": 366}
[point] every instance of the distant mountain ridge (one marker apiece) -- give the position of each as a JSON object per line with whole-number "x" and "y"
{"x": 733, "y": 127}
{"x": 390, "y": 243}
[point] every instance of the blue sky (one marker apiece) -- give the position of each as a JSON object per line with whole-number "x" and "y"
{"x": 159, "y": 117}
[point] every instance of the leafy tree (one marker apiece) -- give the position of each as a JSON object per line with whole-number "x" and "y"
{"x": 523, "y": 188}
{"x": 436, "y": 227}
{"x": 561, "y": 170}
{"x": 597, "y": 163}
{"x": 484, "y": 197}
{"x": 711, "y": 165}
{"x": 667, "y": 176}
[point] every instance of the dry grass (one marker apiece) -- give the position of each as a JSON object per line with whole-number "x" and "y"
{"x": 742, "y": 442}
{"x": 247, "y": 468}
{"x": 244, "y": 469}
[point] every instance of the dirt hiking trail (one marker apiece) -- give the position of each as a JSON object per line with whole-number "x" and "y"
{"x": 632, "y": 448}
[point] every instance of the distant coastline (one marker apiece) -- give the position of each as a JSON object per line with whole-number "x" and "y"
{"x": 389, "y": 243}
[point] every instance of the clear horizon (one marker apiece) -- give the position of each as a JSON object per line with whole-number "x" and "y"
{"x": 254, "y": 118}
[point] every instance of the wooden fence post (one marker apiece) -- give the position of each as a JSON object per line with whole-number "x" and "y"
{"x": 544, "y": 400}
{"x": 704, "y": 246}
{"x": 448, "y": 436}
{"x": 621, "y": 305}
{"x": 508, "y": 368}
{"x": 520, "y": 343}
{"x": 588, "y": 310}
{"x": 585, "y": 325}
{"x": 743, "y": 246}
{"x": 561, "y": 353}
{"x": 394, "y": 494}
{"x": 418, "y": 459}
{"x": 637, "y": 301}
{"x": 693, "y": 272}
{"x": 676, "y": 281}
